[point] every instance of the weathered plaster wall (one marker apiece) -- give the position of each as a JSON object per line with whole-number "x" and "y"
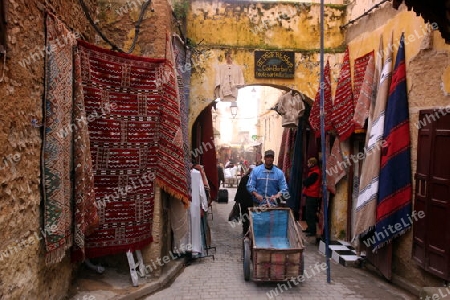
{"x": 23, "y": 274}
{"x": 427, "y": 72}
{"x": 118, "y": 18}
{"x": 243, "y": 27}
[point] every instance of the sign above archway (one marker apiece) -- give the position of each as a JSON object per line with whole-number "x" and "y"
{"x": 274, "y": 64}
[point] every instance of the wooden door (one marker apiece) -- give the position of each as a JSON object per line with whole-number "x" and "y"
{"x": 431, "y": 237}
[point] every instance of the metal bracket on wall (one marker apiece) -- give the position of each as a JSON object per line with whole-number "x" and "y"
{"x": 3, "y": 36}
{"x": 3, "y": 52}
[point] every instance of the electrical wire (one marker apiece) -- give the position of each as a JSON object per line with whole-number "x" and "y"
{"x": 100, "y": 33}
{"x": 366, "y": 13}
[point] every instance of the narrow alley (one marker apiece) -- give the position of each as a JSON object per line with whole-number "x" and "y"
{"x": 222, "y": 278}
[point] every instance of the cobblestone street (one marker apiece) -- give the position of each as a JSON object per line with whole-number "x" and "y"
{"x": 223, "y": 277}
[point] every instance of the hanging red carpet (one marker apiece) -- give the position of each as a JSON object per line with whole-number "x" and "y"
{"x": 314, "y": 116}
{"x": 136, "y": 141}
{"x": 344, "y": 107}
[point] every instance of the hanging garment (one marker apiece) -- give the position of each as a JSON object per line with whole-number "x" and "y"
{"x": 229, "y": 78}
{"x": 395, "y": 195}
{"x": 291, "y": 107}
{"x": 365, "y": 214}
{"x": 344, "y": 107}
{"x": 314, "y": 116}
{"x": 295, "y": 175}
{"x": 199, "y": 203}
{"x": 136, "y": 142}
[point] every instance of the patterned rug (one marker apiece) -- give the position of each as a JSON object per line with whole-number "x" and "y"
{"x": 366, "y": 96}
{"x": 365, "y": 211}
{"x": 359, "y": 72}
{"x": 344, "y": 107}
{"x": 86, "y": 215}
{"x": 56, "y": 151}
{"x": 182, "y": 62}
{"x": 135, "y": 140}
{"x": 288, "y": 153}
{"x": 395, "y": 197}
{"x": 314, "y": 117}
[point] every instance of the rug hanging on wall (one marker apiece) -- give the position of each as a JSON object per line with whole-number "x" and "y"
{"x": 136, "y": 142}
{"x": 56, "y": 151}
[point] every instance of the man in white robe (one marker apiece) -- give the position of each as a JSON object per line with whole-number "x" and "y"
{"x": 199, "y": 202}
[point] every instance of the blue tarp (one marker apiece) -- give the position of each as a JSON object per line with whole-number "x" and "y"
{"x": 270, "y": 229}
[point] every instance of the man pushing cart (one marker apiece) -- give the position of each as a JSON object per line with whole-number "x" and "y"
{"x": 273, "y": 242}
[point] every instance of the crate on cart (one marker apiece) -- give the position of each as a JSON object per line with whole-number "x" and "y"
{"x": 276, "y": 245}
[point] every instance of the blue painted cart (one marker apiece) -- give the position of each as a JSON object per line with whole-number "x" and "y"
{"x": 273, "y": 245}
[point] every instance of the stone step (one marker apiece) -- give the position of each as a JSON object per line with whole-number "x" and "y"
{"x": 341, "y": 253}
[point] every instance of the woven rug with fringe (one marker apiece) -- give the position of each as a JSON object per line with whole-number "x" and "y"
{"x": 56, "y": 151}
{"x": 365, "y": 210}
{"x": 135, "y": 140}
{"x": 314, "y": 116}
{"x": 344, "y": 107}
{"x": 395, "y": 197}
{"x": 359, "y": 72}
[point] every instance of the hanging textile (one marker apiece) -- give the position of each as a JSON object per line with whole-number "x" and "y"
{"x": 344, "y": 106}
{"x": 285, "y": 156}
{"x": 282, "y": 152}
{"x": 135, "y": 140}
{"x": 314, "y": 116}
{"x": 229, "y": 77}
{"x": 336, "y": 166}
{"x": 367, "y": 95}
{"x": 183, "y": 67}
{"x": 172, "y": 172}
{"x": 86, "y": 216}
{"x": 295, "y": 175}
{"x": 395, "y": 196}
{"x": 208, "y": 158}
{"x": 365, "y": 214}
{"x": 291, "y": 107}
{"x": 57, "y": 140}
{"x": 360, "y": 68}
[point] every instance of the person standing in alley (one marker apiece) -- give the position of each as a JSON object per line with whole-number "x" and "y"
{"x": 245, "y": 199}
{"x": 267, "y": 182}
{"x": 312, "y": 192}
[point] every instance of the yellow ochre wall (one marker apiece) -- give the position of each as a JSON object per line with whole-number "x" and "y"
{"x": 243, "y": 27}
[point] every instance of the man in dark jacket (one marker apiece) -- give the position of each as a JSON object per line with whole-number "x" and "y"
{"x": 221, "y": 174}
{"x": 312, "y": 192}
{"x": 245, "y": 199}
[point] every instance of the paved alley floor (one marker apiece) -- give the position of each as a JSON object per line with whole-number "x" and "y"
{"x": 223, "y": 277}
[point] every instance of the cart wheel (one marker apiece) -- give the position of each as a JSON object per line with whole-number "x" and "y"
{"x": 246, "y": 259}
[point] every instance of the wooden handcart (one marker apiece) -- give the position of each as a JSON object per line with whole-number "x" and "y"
{"x": 273, "y": 245}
